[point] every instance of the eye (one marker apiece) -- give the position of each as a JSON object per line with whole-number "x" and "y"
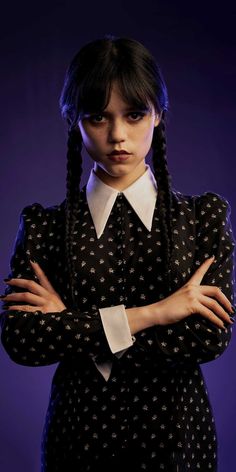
{"x": 137, "y": 114}
{"x": 96, "y": 118}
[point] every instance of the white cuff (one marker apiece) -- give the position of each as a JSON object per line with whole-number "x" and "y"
{"x": 116, "y": 327}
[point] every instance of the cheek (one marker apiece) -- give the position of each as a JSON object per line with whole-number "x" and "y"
{"x": 145, "y": 136}
{"x": 87, "y": 137}
{"x": 91, "y": 139}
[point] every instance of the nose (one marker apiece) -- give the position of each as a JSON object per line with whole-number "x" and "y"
{"x": 117, "y": 131}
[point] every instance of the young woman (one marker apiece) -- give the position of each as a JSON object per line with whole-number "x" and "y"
{"x": 118, "y": 285}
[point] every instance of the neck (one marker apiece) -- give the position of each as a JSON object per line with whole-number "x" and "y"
{"x": 119, "y": 182}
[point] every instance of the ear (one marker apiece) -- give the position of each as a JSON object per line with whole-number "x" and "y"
{"x": 157, "y": 119}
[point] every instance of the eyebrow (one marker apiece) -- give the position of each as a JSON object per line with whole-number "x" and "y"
{"x": 134, "y": 107}
{"x": 126, "y": 109}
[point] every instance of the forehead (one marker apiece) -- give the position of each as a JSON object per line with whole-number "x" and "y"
{"x": 116, "y": 94}
{"x": 117, "y": 99}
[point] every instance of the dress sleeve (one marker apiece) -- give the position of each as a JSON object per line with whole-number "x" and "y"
{"x": 195, "y": 338}
{"x": 36, "y": 338}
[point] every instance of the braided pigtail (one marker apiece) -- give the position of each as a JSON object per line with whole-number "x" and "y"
{"x": 87, "y": 87}
{"x": 74, "y": 172}
{"x": 163, "y": 178}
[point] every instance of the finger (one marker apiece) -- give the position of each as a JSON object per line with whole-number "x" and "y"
{"x": 201, "y": 271}
{"x": 30, "y": 285}
{"x": 206, "y": 313}
{"x": 24, "y": 297}
{"x": 216, "y": 292}
{"x": 42, "y": 277}
{"x": 214, "y": 306}
{"x": 27, "y": 308}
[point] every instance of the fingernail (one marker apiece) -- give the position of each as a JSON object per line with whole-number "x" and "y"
{"x": 233, "y": 308}
{"x": 2, "y": 296}
{"x": 229, "y": 323}
{"x": 33, "y": 261}
{"x": 6, "y": 280}
{"x": 5, "y": 306}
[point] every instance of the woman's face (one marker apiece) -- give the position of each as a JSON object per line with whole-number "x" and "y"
{"x": 118, "y": 127}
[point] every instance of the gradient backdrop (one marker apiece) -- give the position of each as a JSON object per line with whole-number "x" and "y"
{"x": 195, "y": 46}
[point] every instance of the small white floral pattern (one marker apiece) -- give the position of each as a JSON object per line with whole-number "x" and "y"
{"x": 154, "y": 410}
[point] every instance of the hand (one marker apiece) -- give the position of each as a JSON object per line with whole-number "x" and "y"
{"x": 194, "y": 298}
{"x": 41, "y": 296}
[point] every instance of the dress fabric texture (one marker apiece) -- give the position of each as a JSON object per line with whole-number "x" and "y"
{"x": 153, "y": 412}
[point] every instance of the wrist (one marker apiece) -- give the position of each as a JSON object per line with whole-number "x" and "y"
{"x": 140, "y": 318}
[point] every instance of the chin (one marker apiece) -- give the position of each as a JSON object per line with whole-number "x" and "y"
{"x": 118, "y": 172}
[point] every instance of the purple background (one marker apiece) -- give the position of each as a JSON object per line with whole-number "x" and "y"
{"x": 195, "y": 46}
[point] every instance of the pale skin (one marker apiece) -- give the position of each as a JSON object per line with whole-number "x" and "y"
{"x": 189, "y": 299}
{"x": 119, "y": 129}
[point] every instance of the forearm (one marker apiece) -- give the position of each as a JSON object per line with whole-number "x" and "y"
{"x": 191, "y": 339}
{"x": 36, "y": 339}
{"x": 141, "y": 317}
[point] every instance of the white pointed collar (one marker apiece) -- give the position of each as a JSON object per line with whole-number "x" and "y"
{"x": 141, "y": 195}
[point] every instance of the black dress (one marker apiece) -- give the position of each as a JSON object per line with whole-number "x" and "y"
{"x": 153, "y": 413}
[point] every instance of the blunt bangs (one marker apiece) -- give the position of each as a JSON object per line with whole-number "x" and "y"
{"x": 98, "y": 65}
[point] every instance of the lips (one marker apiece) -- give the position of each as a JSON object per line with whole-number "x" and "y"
{"x": 122, "y": 152}
{"x": 118, "y": 157}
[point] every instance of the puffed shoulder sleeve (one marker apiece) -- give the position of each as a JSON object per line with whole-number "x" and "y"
{"x": 196, "y": 338}
{"x": 215, "y": 237}
{"x": 36, "y": 338}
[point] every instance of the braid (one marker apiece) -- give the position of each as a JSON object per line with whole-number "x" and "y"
{"x": 163, "y": 179}
{"x": 74, "y": 171}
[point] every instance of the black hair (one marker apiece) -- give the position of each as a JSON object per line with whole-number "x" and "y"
{"x": 87, "y": 88}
